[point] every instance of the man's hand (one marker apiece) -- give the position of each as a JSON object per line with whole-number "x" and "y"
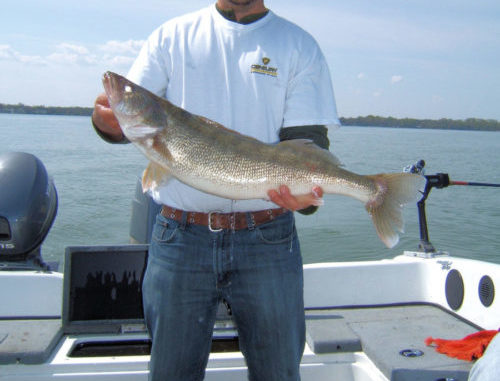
{"x": 104, "y": 119}
{"x": 285, "y": 199}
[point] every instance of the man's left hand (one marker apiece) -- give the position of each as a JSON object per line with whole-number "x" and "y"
{"x": 285, "y": 199}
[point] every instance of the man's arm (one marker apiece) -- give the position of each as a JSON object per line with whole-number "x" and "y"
{"x": 317, "y": 133}
{"x": 304, "y": 204}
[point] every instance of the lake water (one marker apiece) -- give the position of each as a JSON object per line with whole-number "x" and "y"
{"x": 96, "y": 182}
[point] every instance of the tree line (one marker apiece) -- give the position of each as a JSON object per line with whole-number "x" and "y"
{"x": 362, "y": 121}
{"x": 45, "y": 110}
{"x": 442, "y": 124}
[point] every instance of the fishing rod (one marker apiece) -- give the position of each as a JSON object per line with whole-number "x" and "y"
{"x": 443, "y": 180}
{"x": 439, "y": 180}
{"x": 470, "y": 183}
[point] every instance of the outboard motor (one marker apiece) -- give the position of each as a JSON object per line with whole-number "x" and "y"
{"x": 28, "y": 207}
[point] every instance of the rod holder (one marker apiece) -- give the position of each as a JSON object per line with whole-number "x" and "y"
{"x": 439, "y": 180}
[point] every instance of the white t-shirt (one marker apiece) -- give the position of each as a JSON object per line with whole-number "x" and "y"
{"x": 254, "y": 78}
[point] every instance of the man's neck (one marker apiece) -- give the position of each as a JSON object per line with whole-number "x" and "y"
{"x": 241, "y": 8}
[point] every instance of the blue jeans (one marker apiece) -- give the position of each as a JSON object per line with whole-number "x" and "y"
{"x": 257, "y": 270}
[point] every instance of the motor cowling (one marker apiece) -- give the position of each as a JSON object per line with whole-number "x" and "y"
{"x": 28, "y": 206}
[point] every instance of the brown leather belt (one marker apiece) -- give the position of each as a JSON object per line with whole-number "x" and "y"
{"x": 219, "y": 221}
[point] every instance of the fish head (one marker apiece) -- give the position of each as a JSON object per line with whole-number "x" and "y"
{"x": 136, "y": 109}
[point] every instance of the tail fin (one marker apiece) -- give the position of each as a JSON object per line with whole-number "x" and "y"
{"x": 394, "y": 190}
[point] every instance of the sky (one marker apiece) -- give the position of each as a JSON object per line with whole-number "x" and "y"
{"x": 402, "y": 58}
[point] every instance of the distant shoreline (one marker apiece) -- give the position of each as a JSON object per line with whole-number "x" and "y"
{"x": 474, "y": 124}
{"x": 44, "y": 110}
{"x": 360, "y": 121}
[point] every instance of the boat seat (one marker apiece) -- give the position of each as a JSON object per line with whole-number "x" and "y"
{"x": 387, "y": 331}
{"x": 28, "y": 341}
{"x": 330, "y": 333}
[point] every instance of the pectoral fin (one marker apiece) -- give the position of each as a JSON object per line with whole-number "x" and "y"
{"x": 153, "y": 176}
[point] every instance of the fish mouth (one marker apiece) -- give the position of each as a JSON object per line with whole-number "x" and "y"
{"x": 120, "y": 93}
{"x": 114, "y": 86}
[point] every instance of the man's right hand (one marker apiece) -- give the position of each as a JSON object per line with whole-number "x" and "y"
{"x": 104, "y": 119}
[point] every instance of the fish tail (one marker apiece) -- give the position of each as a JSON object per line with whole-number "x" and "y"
{"x": 393, "y": 191}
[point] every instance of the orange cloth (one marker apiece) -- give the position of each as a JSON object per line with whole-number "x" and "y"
{"x": 469, "y": 348}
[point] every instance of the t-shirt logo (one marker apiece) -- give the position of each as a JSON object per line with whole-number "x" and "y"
{"x": 264, "y": 69}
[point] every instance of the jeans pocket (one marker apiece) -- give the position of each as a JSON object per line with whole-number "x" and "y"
{"x": 278, "y": 231}
{"x": 164, "y": 230}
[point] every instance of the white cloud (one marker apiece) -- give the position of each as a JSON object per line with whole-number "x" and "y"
{"x": 72, "y": 58}
{"x": 119, "y": 61}
{"x": 396, "y": 78}
{"x": 377, "y": 94}
{"x": 71, "y": 48}
{"x": 32, "y": 60}
{"x": 9, "y": 54}
{"x": 72, "y": 54}
{"x": 118, "y": 54}
{"x": 131, "y": 47}
{"x": 361, "y": 76}
{"x": 6, "y": 52}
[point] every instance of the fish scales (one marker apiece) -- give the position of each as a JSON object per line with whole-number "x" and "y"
{"x": 216, "y": 160}
{"x": 237, "y": 162}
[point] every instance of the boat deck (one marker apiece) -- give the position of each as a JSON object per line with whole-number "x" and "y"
{"x": 336, "y": 339}
{"x": 382, "y": 333}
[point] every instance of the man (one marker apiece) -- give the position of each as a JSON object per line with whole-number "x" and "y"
{"x": 241, "y": 65}
{"x": 487, "y": 368}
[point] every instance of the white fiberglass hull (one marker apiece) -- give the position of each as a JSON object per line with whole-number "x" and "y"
{"x": 349, "y": 306}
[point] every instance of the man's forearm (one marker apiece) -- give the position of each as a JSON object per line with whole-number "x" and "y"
{"x": 318, "y": 134}
{"x": 108, "y": 138}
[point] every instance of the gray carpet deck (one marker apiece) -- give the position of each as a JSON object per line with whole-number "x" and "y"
{"x": 383, "y": 332}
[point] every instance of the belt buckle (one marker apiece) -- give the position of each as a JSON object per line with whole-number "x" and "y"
{"x": 213, "y": 230}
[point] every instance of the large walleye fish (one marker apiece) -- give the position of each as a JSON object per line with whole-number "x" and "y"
{"x": 216, "y": 160}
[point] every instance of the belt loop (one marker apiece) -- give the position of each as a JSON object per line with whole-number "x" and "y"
{"x": 232, "y": 221}
{"x": 250, "y": 220}
{"x": 183, "y": 221}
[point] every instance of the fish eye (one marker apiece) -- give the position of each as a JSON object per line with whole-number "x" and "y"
{"x": 127, "y": 89}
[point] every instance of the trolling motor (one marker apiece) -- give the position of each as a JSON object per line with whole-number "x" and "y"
{"x": 28, "y": 207}
{"x": 439, "y": 181}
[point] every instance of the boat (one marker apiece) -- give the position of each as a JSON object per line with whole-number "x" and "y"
{"x": 365, "y": 321}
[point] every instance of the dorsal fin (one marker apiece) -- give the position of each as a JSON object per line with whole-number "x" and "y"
{"x": 310, "y": 145}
